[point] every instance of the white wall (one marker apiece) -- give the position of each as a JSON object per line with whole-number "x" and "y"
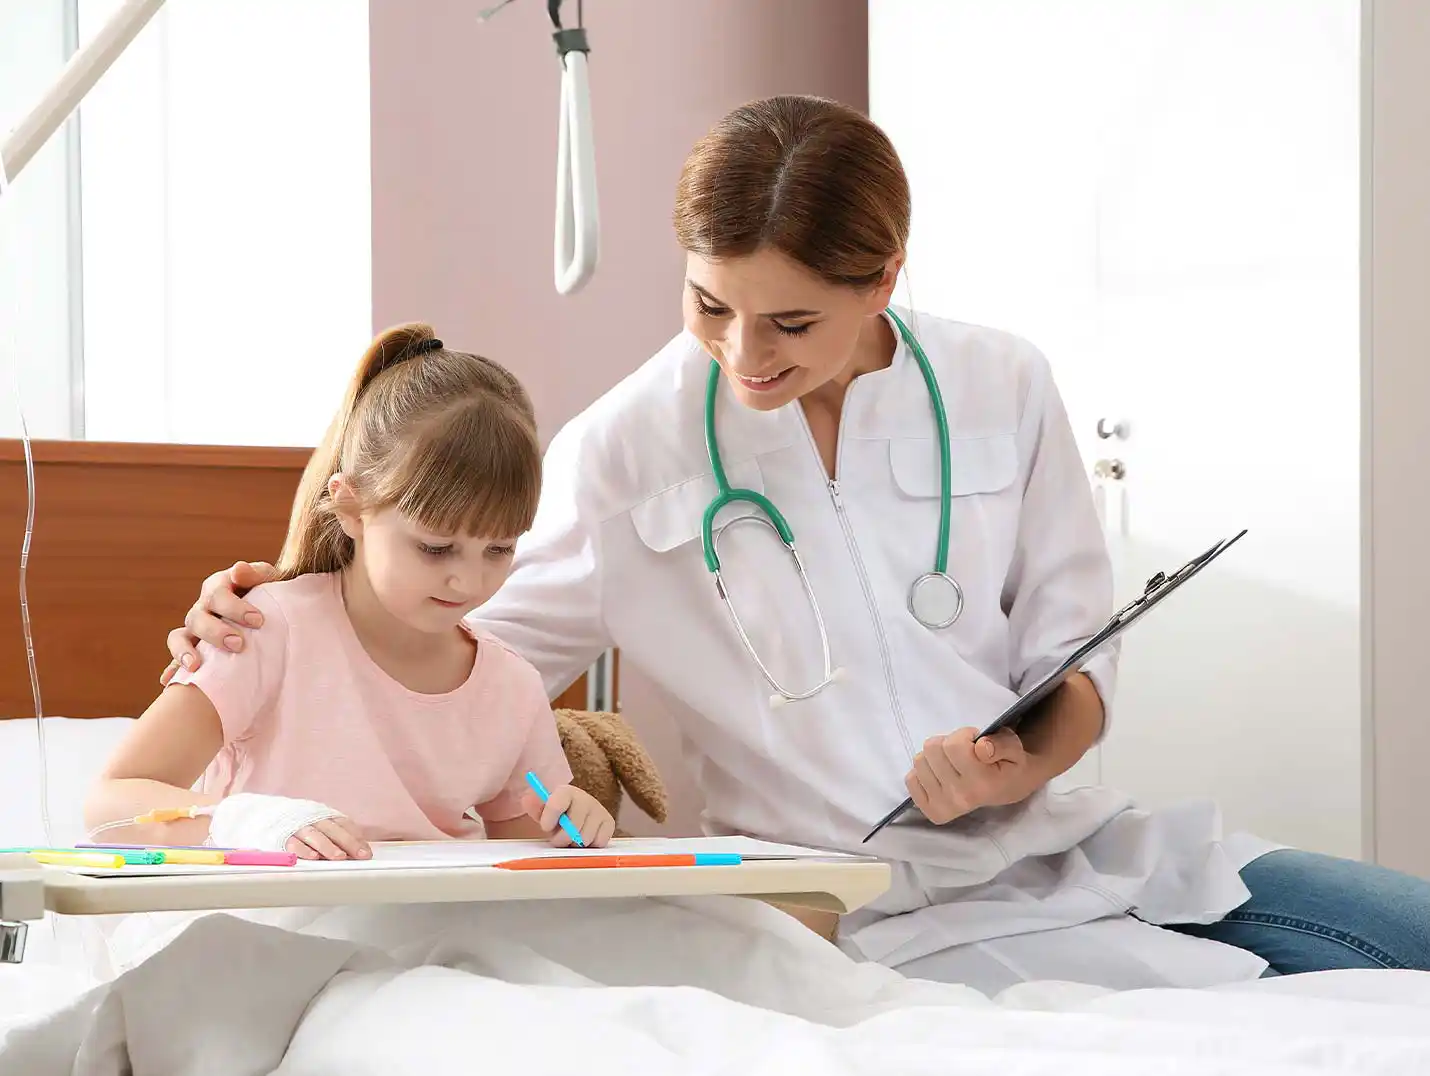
{"x": 227, "y": 222}
{"x": 1087, "y": 174}
{"x": 34, "y": 318}
{"x": 1164, "y": 196}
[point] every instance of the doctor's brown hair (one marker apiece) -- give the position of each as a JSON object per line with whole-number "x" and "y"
{"x": 816, "y": 180}
{"x": 447, "y": 438}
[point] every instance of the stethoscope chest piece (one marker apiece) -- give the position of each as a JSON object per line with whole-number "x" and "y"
{"x": 936, "y": 600}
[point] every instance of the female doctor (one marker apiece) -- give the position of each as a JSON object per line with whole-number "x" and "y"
{"x": 844, "y": 537}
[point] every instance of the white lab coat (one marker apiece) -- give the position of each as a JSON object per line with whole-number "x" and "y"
{"x": 615, "y": 559}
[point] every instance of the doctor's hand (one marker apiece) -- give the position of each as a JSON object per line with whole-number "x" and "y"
{"x": 593, "y": 821}
{"x": 219, "y": 616}
{"x": 953, "y": 775}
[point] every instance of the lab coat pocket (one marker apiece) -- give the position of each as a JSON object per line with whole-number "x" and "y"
{"x": 980, "y": 465}
{"x": 672, "y": 517}
{"x": 766, "y": 601}
{"x": 983, "y": 508}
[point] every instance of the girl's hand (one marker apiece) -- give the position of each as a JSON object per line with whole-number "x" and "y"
{"x": 330, "y": 838}
{"x": 219, "y": 617}
{"x": 953, "y": 775}
{"x": 585, "y": 811}
{"x": 308, "y": 829}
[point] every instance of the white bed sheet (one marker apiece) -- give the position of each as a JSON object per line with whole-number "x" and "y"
{"x": 698, "y": 985}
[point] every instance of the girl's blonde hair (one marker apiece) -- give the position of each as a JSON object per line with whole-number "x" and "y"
{"x": 446, "y": 438}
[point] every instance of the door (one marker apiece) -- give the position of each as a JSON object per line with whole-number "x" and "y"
{"x": 1163, "y": 195}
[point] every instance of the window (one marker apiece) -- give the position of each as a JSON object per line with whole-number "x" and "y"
{"x": 212, "y": 263}
{"x": 35, "y": 258}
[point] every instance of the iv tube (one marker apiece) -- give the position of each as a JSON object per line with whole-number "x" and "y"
{"x": 25, "y": 556}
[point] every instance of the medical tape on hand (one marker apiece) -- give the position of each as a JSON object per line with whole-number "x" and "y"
{"x": 251, "y": 820}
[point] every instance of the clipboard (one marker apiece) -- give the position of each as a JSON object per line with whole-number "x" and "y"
{"x": 1156, "y": 591}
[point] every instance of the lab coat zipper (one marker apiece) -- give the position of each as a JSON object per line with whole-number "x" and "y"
{"x": 894, "y": 704}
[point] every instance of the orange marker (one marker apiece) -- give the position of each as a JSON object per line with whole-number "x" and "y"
{"x": 675, "y": 859}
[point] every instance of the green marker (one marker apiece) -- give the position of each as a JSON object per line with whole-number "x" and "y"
{"x": 133, "y": 859}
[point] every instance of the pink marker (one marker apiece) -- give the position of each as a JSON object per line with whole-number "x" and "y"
{"x": 259, "y": 859}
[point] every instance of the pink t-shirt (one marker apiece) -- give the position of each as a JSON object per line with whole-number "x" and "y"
{"x": 307, "y": 713}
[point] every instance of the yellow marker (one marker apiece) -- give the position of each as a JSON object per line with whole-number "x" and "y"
{"x": 78, "y": 859}
{"x": 191, "y": 855}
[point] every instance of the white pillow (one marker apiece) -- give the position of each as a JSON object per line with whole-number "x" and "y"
{"x": 76, "y": 751}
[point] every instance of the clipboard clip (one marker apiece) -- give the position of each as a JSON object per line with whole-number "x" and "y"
{"x": 1162, "y": 584}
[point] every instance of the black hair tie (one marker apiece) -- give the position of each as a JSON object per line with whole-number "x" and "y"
{"x": 428, "y": 345}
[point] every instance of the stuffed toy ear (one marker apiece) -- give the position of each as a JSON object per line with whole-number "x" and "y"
{"x": 591, "y": 770}
{"x": 632, "y": 765}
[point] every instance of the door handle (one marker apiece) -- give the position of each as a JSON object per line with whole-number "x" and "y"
{"x": 1113, "y": 469}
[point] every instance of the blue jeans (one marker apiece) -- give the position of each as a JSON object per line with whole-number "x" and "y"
{"x": 1311, "y": 912}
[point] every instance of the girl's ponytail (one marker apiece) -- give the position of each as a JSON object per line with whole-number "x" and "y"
{"x": 315, "y": 541}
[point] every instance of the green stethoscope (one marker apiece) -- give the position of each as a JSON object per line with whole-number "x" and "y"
{"x": 935, "y": 598}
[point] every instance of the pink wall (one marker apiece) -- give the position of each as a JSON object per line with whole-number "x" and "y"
{"x": 463, "y": 175}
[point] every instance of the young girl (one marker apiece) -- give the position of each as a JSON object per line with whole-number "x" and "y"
{"x": 368, "y": 710}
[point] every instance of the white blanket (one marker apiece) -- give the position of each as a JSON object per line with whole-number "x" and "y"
{"x": 709, "y": 985}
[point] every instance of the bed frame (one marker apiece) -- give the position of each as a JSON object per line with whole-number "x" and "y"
{"x": 124, "y": 535}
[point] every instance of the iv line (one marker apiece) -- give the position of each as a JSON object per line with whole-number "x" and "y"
{"x": 25, "y": 609}
{"x": 25, "y": 555}
{"x": 159, "y": 814}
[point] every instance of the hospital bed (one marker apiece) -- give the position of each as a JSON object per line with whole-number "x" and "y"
{"x": 123, "y": 535}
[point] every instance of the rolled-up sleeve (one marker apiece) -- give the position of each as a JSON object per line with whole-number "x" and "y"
{"x": 1058, "y": 591}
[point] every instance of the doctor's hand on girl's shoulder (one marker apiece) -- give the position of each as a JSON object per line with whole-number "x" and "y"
{"x": 953, "y": 775}
{"x": 220, "y": 616}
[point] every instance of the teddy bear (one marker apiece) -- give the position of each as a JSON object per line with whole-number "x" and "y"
{"x": 605, "y": 756}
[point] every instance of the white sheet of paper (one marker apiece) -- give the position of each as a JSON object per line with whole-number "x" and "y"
{"x": 420, "y": 855}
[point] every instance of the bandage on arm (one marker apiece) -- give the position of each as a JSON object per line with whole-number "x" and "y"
{"x": 250, "y": 820}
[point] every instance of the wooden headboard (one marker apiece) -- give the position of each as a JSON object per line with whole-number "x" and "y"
{"x": 124, "y": 536}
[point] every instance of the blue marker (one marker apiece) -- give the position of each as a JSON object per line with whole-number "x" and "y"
{"x": 566, "y": 823}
